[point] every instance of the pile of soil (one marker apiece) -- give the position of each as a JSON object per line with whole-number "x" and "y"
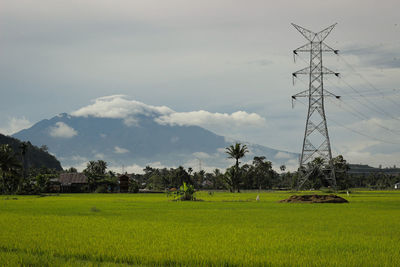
{"x": 315, "y": 199}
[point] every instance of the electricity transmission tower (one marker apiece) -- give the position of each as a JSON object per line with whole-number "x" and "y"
{"x": 316, "y": 138}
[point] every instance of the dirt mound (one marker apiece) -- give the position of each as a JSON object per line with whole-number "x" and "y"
{"x": 315, "y": 199}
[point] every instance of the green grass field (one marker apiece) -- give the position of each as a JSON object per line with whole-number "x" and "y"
{"x": 224, "y": 229}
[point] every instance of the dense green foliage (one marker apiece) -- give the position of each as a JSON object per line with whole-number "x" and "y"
{"x": 32, "y": 156}
{"x": 224, "y": 229}
{"x": 99, "y": 179}
{"x": 185, "y": 192}
{"x": 9, "y": 170}
{"x": 17, "y": 178}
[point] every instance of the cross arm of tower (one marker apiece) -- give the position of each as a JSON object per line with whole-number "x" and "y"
{"x": 307, "y": 48}
{"x": 306, "y": 70}
{"x": 327, "y": 48}
{"x": 325, "y": 70}
{"x": 304, "y": 93}
{"x": 327, "y": 93}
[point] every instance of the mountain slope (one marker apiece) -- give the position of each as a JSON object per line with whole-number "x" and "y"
{"x": 34, "y": 157}
{"x": 77, "y": 139}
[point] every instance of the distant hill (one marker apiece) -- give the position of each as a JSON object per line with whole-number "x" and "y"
{"x": 365, "y": 169}
{"x": 129, "y": 133}
{"x": 34, "y": 157}
{"x": 78, "y": 139}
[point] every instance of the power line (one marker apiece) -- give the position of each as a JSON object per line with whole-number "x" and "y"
{"x": 355, "y": 131}
{"x": 363, "y": 117}
{"x": 363, "y": 78}
{"x": 360, "y": 115}
{"x": 371, "y": 105}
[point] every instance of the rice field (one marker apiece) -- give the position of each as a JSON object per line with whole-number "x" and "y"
{"x": 222, "y": 230}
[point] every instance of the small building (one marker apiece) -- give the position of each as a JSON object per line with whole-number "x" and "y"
{"x": 73, "y": 182}
{"x": 123, "y": 183}
{"x": 397, "y": 186}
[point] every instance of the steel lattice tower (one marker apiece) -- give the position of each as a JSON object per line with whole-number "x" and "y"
{"x": 316, "y": 138}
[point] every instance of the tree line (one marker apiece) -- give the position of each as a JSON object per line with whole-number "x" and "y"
{"x": 257, "y": 175}
{"x": 15, "y": 178}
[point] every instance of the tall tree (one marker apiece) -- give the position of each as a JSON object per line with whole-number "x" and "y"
{"x": 341, "y": 168}
{"x": 263, "y": 172}
{"x": 95, "y": 171}
{"x": 236, "y": 152}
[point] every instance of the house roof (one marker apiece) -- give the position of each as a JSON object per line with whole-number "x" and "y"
{"x": 72, "y": 178}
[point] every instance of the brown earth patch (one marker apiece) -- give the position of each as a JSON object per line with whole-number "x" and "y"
{"x": 314, "y": 199}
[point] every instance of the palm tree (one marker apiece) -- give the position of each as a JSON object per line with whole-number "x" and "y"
{"x": 236, "y": 152}
{"x": 282, "y": 167}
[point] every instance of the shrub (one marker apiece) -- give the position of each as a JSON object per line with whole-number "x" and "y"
{"x": 185, "y": 192}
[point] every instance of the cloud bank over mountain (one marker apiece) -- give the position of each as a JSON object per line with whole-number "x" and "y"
{"x": 120, "y": 107}
{"x": 130, "y": 133}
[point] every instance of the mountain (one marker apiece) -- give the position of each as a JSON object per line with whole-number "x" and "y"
{"x": 34, "y": 157}
{"x": 133, "y": 134}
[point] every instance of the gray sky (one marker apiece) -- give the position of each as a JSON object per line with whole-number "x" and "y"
{"x": 217, "y": 56}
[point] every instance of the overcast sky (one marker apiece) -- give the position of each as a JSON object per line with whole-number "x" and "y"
{"x": 223, "y": 57}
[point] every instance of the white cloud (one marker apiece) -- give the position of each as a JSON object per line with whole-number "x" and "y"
{"x": 62, "y": 130}
{"x": 120, "y": 150}
{"x": 118, "y": 107}
{"x": 15, "y": 125}
{"x": 210, "y": 120}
